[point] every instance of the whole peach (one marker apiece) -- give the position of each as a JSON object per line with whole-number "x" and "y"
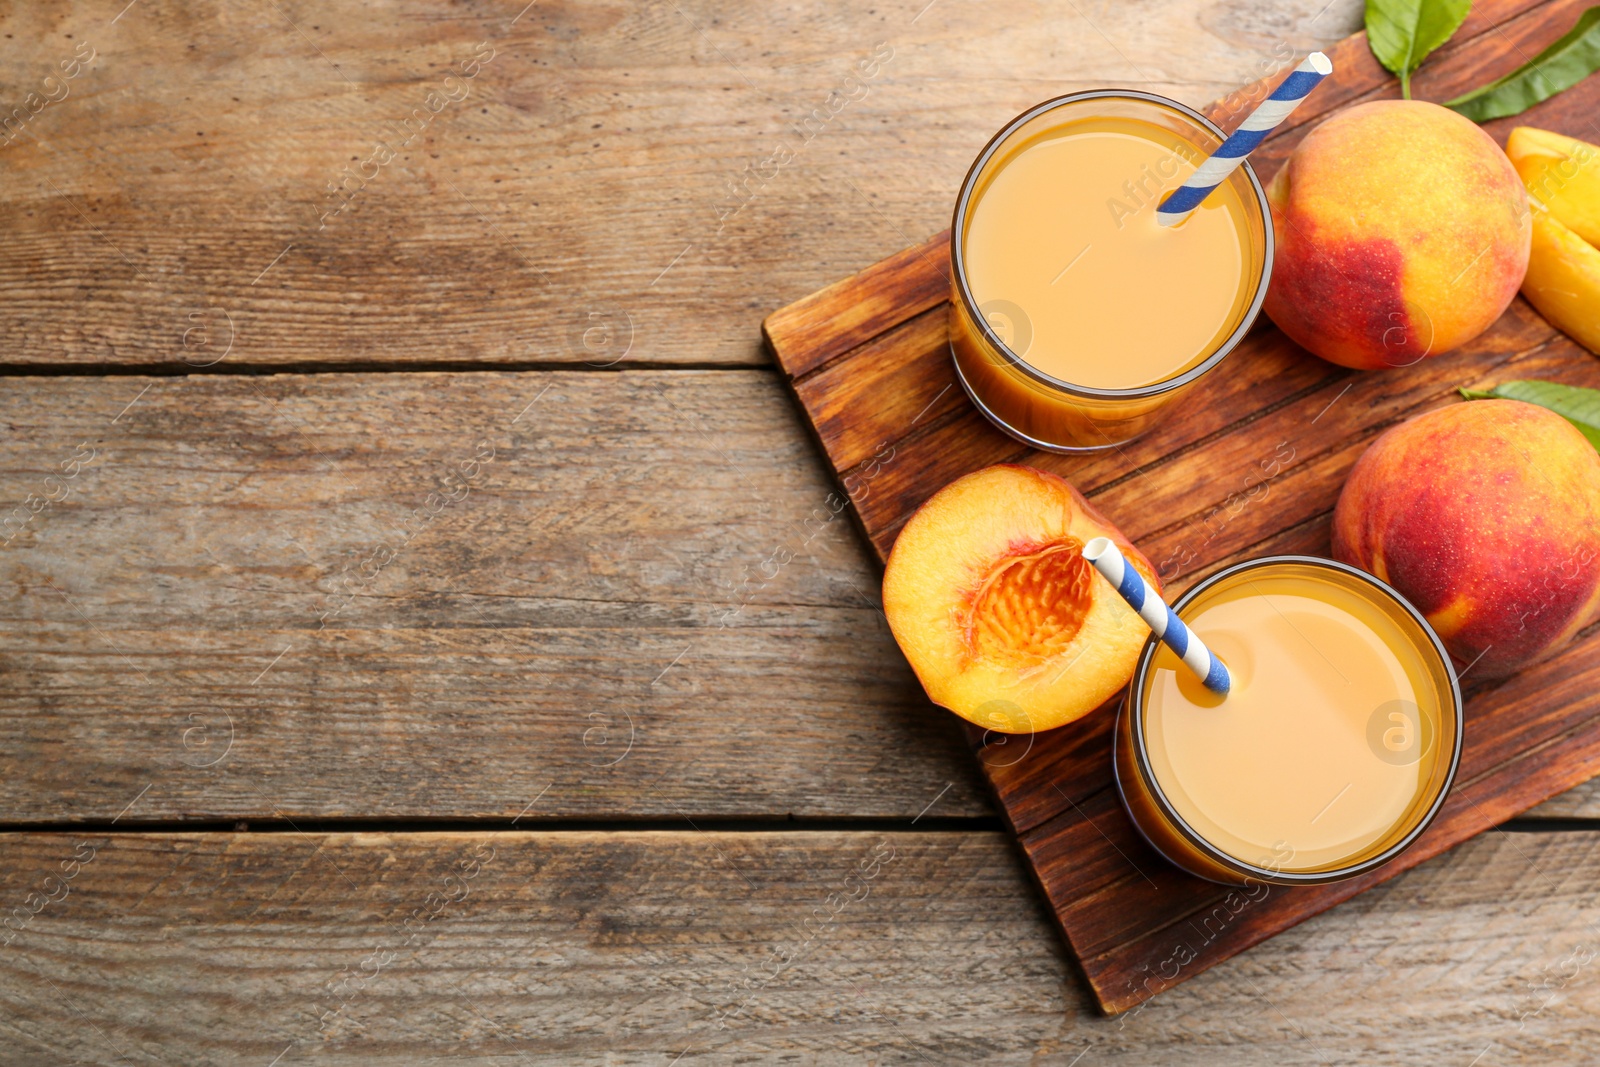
{"x": 1402, "y": 232}
{"x": 1486, "y": 516}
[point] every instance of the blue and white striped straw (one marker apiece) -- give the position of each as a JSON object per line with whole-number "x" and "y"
{"x": 1163, "y": 621}
{"x": 1214, "y": 170}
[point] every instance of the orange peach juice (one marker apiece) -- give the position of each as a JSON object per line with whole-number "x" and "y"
{"x": 1066, "y": 230}
{"x": 1335, "y": 741}
{"x": 1076, "y": 314}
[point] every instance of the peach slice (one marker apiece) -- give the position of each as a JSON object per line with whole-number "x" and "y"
{"x": 1004, "y": 621}
{"x": 1563, "y": 279}
{"x": 1563, "y": 174}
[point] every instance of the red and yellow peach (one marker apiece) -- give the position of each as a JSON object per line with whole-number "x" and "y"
{"x": 1402, "y": 232}
{"x": 1486, "y": 516}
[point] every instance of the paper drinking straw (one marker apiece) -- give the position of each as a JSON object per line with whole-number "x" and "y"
{"x": 1214, "y": 169}
{"x": 1163, "y": 621}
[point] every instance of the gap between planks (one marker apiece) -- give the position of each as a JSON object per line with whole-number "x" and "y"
{"x": 951, "y": 824}
{"x": 492, "y": 824}
{"x": 443, "y": 366}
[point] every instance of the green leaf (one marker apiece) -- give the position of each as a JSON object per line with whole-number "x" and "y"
{"x": 1577, "y": 405}
{"x": 1401, "y": 33}
{"x": 1561, "y": 66}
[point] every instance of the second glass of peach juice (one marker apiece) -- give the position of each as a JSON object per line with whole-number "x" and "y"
{"x": 1075, "y": 316}
{"x": 1332, "y": 752}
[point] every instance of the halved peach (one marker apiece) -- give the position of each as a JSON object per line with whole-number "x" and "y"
{"x": 1004, "y": 621}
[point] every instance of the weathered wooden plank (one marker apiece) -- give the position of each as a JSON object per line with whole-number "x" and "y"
{"x": 1581, "y": 802}
{"x": 516, "y": 640}
{"x": 616, "y": 182}
{"x": 635, "y": 948}
{"x": 644, "y": 559}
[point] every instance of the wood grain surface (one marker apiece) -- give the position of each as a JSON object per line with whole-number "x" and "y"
{"x": 635, "y": 948}
{"x": 620, "y": 181}
{"x": 145, "y": 209}
{"x": 1249, "y": 464}
{"x": 519, "y": 639}
{"x": 438, "y": 595}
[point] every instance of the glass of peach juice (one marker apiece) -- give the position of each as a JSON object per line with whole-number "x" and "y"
{"x": 1075, "y": 317}
{"x": 1331, "y": 753}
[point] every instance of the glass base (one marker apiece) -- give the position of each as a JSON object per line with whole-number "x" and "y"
{"x": 1031, "y": 442}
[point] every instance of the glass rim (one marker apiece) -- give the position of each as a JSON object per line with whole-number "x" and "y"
{"x": 1226, "y": 859}
{"x": 1154, "y": 389}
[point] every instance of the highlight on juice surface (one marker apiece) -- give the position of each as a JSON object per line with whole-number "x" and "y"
{"x": 1003, "y": 620}
{"x": 1335, "y": 746}
{"x": 1076, "y": 317}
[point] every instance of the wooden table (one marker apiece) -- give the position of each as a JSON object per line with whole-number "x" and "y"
{"x": 425, "y": 634}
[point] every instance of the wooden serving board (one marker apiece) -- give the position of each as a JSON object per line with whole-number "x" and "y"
{"x": 1250, "y": 464}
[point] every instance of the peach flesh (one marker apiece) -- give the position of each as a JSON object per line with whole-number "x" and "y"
{"x": 1031, "y": 605}
{"x": 995, "y": 608}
